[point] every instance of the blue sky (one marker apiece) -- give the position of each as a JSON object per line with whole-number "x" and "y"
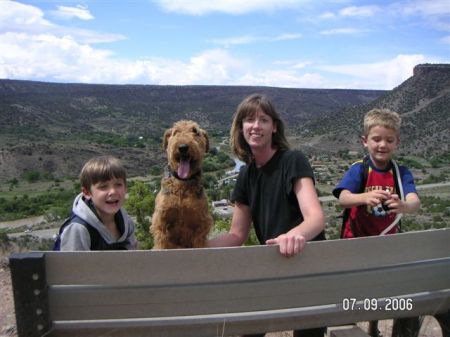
{"x": 283, "y": 43}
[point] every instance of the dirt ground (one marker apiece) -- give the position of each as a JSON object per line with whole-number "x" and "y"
{"x": 430, "y": 327}
{"x": 7, "y": 318}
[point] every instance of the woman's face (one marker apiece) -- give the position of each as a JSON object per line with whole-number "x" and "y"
{"x": 258, "y": 129}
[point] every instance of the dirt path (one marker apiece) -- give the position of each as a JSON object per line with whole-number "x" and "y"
{"x": 36, "y": 220}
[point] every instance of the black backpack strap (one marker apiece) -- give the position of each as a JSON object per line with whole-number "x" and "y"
{"x": 362, "y": 187}
{"x": 365, "y": 174}
{"x": 345, "y": 216}
{"x": 93, "y": 233}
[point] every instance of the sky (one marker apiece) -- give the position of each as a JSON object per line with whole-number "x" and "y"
{"x": 348, "y": 44}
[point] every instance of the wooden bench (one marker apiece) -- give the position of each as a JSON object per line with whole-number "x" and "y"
{"x": 231, "y": 291}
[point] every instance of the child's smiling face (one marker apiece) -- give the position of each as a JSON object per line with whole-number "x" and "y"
{"x": 381, "y": 143}
{"x": 107, "y": 196}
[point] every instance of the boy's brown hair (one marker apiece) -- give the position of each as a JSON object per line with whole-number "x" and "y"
{"x": 381, "y": 117}
{"x": 100, "y": 169}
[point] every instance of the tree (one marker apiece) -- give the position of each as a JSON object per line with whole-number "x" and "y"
{"x": 141, "y": 204}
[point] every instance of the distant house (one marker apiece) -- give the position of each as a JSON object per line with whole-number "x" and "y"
{"x": 220, "y": 203}
{"x": 223, "y": 208}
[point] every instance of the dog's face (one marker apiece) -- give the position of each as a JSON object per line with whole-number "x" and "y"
{"x": 186, "y": 144}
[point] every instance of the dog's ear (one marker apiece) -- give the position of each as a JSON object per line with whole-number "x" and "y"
{"x": 167, "y": 135}
{"x": 205, "y": 134}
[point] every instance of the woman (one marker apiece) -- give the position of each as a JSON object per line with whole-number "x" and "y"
{"x": 274, "y": 190}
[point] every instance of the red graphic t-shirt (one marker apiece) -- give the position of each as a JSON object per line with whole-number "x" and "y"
{"x": 367, "y": 220}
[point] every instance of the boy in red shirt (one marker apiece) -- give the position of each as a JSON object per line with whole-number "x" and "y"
{"x": 370, "y": 191}
{"x": 377, "y": 206}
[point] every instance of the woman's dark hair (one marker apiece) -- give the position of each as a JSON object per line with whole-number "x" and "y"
{"x": 248, "y": 107}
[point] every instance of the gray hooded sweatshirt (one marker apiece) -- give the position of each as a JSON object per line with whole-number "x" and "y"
{"x": 76, "y": 237}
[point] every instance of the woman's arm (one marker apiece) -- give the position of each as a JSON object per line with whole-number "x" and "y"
{"x": 240, "y": 227}
{"x": 313, "y": 223}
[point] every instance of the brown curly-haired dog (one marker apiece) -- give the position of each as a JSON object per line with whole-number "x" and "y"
{"x": 182, "y": 218}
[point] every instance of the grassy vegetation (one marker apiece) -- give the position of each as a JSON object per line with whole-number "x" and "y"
{"x": 35, "y": 195}
{"x": 25, "y": 206}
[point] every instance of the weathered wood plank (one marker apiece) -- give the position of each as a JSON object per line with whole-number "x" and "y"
{"x": 239, "y": 263}
{"x": 77, "y": 303}
{"x": 248, "y": 322}
{"x": 231, "y": 291}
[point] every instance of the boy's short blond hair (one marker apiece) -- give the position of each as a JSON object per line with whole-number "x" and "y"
{"x": 381, "y": 117}
{"x": 100, "y": 169}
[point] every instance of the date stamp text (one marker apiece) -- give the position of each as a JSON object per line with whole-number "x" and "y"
{"x": 374, "y": 304}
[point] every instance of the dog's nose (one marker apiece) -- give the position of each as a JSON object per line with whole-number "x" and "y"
{"x": 183, "y": 148}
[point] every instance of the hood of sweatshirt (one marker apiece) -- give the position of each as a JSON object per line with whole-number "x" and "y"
{"x": 82, "y": 209}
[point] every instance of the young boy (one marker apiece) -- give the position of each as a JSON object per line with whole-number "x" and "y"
{"x": 374, "y": 209}
{"x": 99, "y": 221}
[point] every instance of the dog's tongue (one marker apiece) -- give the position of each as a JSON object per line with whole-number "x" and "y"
{"x": 183, "y": 169}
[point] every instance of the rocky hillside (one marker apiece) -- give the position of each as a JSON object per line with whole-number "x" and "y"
{"x": 53, "y": 128}
{"x": 423, "y": 102}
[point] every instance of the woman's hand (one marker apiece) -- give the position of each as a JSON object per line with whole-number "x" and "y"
{"x": 289, "y": 244}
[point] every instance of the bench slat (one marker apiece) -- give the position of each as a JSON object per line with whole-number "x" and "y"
{"x": 249, "y": 322}
{"x": 241, "y": 263}
{"x": 230, "y": 291}
{"x": 75, "y": 303}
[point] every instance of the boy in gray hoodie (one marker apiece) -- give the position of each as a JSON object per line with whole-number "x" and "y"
{"x": 98, "y": 221}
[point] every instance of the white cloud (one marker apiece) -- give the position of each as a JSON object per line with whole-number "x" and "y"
{"x": 212, "y": 66}
{"x": 359, "y": 11}
{"x": 51, "y": 58}
{"x": 31, "y": 47}
{"x": 16, "y": 17}
{"x": 301, "y": 65}
{"x": 351, "y": 11}
{"x": 426, "y": 7}
{"x": 79, "y": 12}
{"x": 282, "y": 78}
{"x": 285, "y": 37}
{"x": 200, "y": 7}
{"x": 236, "y": 40}
{"x": 43, "y": 56}
{"x": 342, "y": 31}
{"x": 381, "y": 75}
{"x": 436, "y": 13}
{"x": 327, "y": 15}
{"x": 248, "y": 39}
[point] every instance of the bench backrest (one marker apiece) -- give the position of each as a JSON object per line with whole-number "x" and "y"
{"x": 229, "y": 291}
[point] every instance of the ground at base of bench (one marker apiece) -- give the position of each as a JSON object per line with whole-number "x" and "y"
{"x": 354, "y": 331}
